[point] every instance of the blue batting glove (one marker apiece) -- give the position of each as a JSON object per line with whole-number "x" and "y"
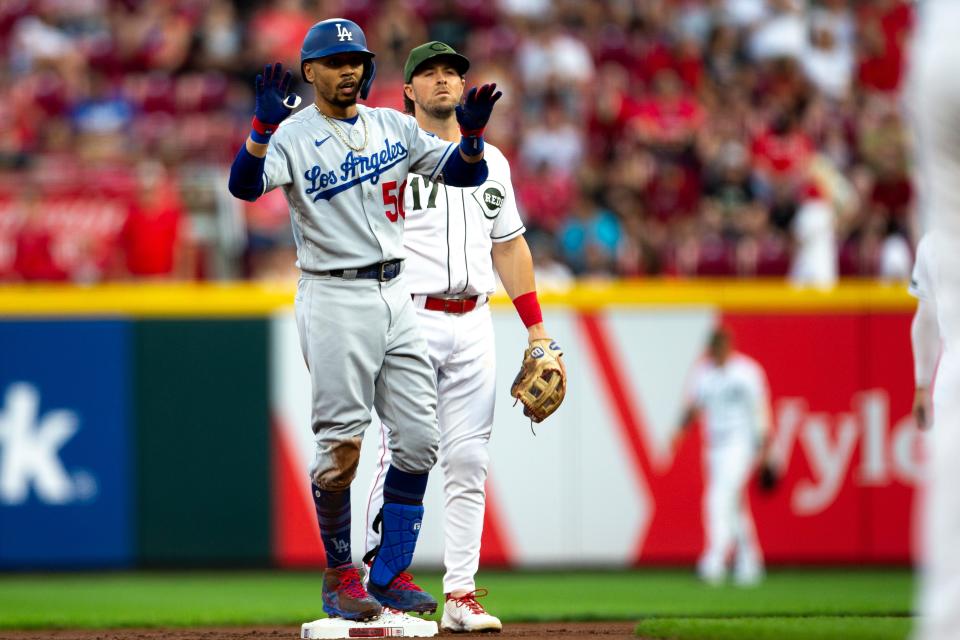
{"x": 475, "y": 111}
{"x": 473, "y": 115}
{"x": 273, "y": 104}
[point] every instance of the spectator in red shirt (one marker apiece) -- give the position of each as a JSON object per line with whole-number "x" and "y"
{"x": 649, "y": 54}
{"x": 33, "y": 259}
{"x": 781, "y": 154}
{"x": 893, "y": 194}
{"x": 610, "y": 108}
{"x": 152, "y": 236}
{"x": 669, "y": 120}
{"x": 688, "y": 62}
{"x": 545, "y": 196}
{"x": 885, "y": 25}
{"x": 276, "y": 31}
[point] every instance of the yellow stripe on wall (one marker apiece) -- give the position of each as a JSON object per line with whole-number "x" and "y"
{"x": 739, "y": 295}
{"x": 151, "y": 299}
{"x": 145, "y": 299}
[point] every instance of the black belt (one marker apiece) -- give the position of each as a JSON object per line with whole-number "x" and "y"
{"x": 381, "y": 271}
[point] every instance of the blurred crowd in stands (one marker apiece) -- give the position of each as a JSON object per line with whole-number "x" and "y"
{"x": 647, "y": 137}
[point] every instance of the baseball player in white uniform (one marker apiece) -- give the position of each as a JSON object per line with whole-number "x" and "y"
{"x": 924, "y": 331}
{"x": 455, "y": 239}
{"x": 934, "y": 100}
{"x": 344, "y": 169}
{"x": 729, "y": 389}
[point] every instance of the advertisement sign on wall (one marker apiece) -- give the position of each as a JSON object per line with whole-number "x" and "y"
{"x": 602, "y": 482}
{"x": 64, "y": 449}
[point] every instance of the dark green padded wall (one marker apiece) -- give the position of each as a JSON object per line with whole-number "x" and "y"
{"x": 202, "y": 440}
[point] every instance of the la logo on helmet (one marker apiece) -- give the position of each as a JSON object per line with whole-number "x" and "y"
{"x": 343, "y": 34}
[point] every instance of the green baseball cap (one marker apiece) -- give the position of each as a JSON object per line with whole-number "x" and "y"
{"x": 425, "y": 52}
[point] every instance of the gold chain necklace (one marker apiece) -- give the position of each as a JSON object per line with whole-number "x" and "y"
{"x": 340, "y": 134}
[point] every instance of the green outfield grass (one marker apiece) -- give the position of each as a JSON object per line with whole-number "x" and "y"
{"x": 779, "y": 628}
{"x": 791, "y": 604}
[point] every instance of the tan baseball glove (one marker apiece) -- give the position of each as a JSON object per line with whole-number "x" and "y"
{"x": 542, "y": 381}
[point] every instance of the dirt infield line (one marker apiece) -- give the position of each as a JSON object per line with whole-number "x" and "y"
{"x": 531, "y": 631}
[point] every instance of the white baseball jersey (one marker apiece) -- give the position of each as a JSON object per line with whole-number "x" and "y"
{"x": 933, "y": 95}
{"x": 449, "y": 235}
{"x": 346, "y": 206}
{"x": 921, "y": 282}
{"x": 732, "y": 397}
{"x": 926, "y": 278}
{"x": 924, "y": 334}
{"x": 450, "y": 231}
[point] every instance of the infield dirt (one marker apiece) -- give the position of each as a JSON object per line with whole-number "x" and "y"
{"x": 513, "y": 630}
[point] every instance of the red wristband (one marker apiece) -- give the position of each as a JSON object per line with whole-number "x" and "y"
{"x": 472, "y": 133}
{"x": 262, "y": 128}
{"x": 529, "y": 308}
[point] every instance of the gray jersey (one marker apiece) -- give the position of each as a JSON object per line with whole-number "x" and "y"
{"x": 346, "y": 206}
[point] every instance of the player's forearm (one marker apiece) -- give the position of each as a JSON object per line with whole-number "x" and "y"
{"x": 925, "y": 339}
{"x": 687, "y": 418}
{"x": 457, "y": 172}
{"x": 471, "y": 159}
{"x": 256, "y": 149}
{"x": 514, "y": 265}
{"x": 471, "y": 145}
{"x": 765, "y": 444}
{"x": 762, "y": 434}
{"x": 246, "y": 173}
{"x": 764, "y": 418}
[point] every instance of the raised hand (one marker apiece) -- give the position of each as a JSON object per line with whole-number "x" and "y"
{"x": 273, "y": 103}
{"x": 475, "y": 111}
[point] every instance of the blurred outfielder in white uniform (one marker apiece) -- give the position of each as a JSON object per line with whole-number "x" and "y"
{"x": 343, "y": 169}
{"x": 729, "y": 391}
{"x": 924, "y": 331}
{"x": 455, "y": 238}
{"x": 933, "y": 95}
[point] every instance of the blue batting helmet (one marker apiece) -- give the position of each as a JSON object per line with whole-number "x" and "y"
{"x": 338, "y": 35}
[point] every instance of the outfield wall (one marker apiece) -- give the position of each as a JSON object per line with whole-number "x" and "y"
{"x": 172, "y": 428}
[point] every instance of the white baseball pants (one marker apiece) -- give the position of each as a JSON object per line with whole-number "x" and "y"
{"x": 940, "y": 581}
{"x": 726, "y": 513}
{"x": 461, "y": 349}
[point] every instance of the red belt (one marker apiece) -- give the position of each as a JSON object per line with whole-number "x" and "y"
{"x": 447, "y": 305}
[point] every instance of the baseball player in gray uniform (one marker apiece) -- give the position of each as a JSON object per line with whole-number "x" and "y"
{"x": 344, "y": 168}
{"x": 455, "y": 238}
